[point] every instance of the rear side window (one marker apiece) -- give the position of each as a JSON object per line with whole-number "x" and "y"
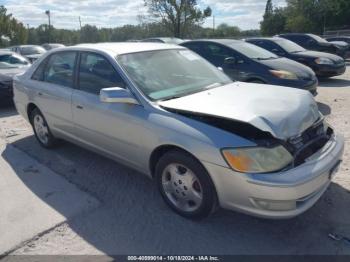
{"x": 269, "y": 46}
{"x": 96, "y": 73}
{"x": 59, "y": 69}
{"x": 39, "y": 72}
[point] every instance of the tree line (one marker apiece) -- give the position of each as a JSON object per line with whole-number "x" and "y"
{"x": 311, "y": 16}
{"x": 167, "y": 18}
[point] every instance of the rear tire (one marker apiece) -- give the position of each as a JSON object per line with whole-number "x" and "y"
{"x": 185, "y": 185}
{"x": 41, "y": 129}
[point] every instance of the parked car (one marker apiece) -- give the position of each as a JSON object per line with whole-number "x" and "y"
{"x": 248, "y": 63}
{"x": 339, "y": 38}
{"x": 10, "y": 65}
{"x": 31, "y": 52}
{"x": 323, "y": 64}
{"x": 165, "y": 40}
{"x": 315, "y": 43}
{"x": 205, "y": 140}
{"x": 48, "y": 47}
{"x": 343, "y": 44}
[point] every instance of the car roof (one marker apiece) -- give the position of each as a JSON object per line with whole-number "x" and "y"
{"x": 330, "y": 37}
{"x": 49, "y": 44}
{"x": 124, "y": 47}
{"x": 6, "y": 52}
{"x": 219, "y": 41}
{"x": 28, "y": 46}
{"x": 163, "y": 38}
{"x": 266, "y": 38}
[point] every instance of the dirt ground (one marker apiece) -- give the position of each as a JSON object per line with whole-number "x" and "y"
{"x": 132, "y": 218}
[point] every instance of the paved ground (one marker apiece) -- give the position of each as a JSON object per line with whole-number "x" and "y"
{"x": 132, "y": 219}
{"x": 33, "y": 198}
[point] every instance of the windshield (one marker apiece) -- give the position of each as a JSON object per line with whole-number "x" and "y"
{"x": 32, "y": 50}
{"x": 290, "y": 46}
{"x": 4, "y": 65}
{"x": 318, "y": 39}
{"x": 253, "y": 51}
{"x": 13, "y": 59}
{"x": 167, "y": 74}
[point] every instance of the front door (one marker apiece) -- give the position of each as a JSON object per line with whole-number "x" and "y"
{"x": 112, "y": 128}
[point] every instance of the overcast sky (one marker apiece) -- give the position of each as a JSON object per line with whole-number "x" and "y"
{"x": 111, "y": 13}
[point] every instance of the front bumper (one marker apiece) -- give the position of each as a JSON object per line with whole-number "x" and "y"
{"x": 305, "y": 84}
{"x": 278, "y": 195}
{"x": 329, "y": 71}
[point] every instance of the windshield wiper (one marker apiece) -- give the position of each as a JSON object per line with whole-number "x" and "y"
{"x": 170, "y": 98}
{"x": 212, "y": 86}
{"x": 265, "y": 58}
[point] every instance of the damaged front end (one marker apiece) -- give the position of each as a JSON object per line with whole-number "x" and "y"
{"x": 301, "y": 147}
{"x": 304, "y": 146}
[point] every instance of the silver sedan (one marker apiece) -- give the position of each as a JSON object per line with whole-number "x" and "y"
{"x": 206, "y": 141}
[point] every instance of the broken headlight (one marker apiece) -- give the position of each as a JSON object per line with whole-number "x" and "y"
{"x": 257, "y": 159}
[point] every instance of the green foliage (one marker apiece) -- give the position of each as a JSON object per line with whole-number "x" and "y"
{"x": 11, "y": 28}
{"x": 177, "y": 15}
{"x": 312, "y": 16}
{"x": 190, "y": 27}
{"x": 274, "y": 22}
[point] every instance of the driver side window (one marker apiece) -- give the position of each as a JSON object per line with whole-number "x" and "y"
{"x": 96, "y": 73}
{"x": 272, "y": 47}
{"x": 217, "y": 54}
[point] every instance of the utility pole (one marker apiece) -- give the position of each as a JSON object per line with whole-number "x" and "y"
{"x": 213, "y": 23}
{"x": 80, "y": 23}
{"x": 48, "y": 13}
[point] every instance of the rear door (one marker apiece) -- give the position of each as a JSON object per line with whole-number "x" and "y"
{"x": 53, "y": 85}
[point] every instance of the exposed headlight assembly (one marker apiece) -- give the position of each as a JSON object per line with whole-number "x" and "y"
{"x": 284, "y": 74}
{"x": 257, "y": 159}
{"x": 324, "y": 61}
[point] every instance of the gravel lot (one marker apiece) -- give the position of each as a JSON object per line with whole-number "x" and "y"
{"x": 132, "y": 218}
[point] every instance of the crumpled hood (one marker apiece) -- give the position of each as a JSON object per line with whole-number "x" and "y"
{"x": 283, "y": 112}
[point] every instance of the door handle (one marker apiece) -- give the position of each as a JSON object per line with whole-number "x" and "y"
{"x": 80, "y": 107}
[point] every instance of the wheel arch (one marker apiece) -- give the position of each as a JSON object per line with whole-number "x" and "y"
{"x": 158, "y": 152}
{"x": 256, "y": 78}
{"x": 30, "y": 108}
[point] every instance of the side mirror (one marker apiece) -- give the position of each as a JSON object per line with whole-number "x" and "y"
{"x": 311, "y": 42}
{"x": 230, "y": 60}
{"x": 117, "y": 95}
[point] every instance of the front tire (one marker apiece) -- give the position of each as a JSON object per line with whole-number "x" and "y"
{"x": 41, "y": 129}
{"x": 185, "y": 185}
